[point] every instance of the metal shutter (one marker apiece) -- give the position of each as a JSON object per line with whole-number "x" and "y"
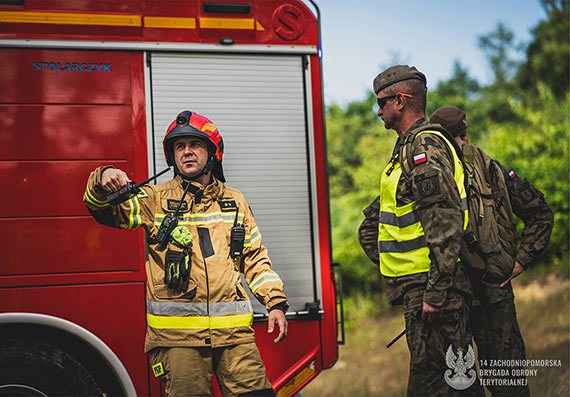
{"x": 258, "y": 104}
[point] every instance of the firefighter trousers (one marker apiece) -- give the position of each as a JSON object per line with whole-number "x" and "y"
{"x": 187, "y": 371}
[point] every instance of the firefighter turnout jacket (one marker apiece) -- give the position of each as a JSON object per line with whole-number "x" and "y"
{"x": 215, "y": 309}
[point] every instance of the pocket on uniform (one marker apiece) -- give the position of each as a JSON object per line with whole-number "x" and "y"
{"x": 158, "y": 363}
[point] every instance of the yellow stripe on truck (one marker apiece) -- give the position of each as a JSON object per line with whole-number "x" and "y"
{"x": 65, "y": 18}
{"x": 227, "y": 23}
{"x": 164, "y": 22}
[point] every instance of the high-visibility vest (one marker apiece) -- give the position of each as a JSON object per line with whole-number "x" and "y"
{"x": 401, "y": 242}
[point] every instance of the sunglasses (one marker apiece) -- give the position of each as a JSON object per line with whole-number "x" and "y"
{"x": 382, "y": 101}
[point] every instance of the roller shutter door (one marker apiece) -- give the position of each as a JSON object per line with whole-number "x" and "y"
{"x": 258, "y": 104}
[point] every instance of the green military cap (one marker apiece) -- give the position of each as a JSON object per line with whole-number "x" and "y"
{"x": 395, "y": 74}
{"x": 451, "y": 118}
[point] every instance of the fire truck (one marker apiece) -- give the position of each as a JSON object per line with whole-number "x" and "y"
{"x": 96, "y": 82}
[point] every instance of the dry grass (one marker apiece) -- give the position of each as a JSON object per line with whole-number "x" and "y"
{"x": 367, "y": 368}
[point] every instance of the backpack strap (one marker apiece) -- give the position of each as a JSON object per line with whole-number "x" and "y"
{"x": 405, "y": 155}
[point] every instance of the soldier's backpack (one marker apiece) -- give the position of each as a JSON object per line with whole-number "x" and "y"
{"x": 490, "y": 239}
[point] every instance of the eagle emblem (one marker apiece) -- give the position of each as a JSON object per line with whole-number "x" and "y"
{"x": 458, "y": 379}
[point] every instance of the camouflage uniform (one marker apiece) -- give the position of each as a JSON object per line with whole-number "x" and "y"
{"x": 494, "y": 324}
{"x": 446, "y": 285}
{"x": 493, "y": 320}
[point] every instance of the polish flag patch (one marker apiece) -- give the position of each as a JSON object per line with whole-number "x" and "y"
{"x": 512, "y": 174}
{"x": 420, "y": 158}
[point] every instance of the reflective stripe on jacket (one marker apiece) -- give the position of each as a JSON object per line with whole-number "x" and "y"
{"x": 401, "y": 243}
{"x": 215, "y": 309}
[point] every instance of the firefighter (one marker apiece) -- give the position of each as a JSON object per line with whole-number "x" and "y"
{"x": 200, "y": 235}
{"x": 420, "y": 229}
{"x": 493, "y": 320}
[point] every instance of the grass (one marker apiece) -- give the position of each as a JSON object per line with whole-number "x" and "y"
{"x": 367, "y": 368}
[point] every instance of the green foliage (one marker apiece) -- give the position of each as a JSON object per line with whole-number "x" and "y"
{"x": 548, "y": 54}
{"x": 537, "y": 148}
{"x": 498, "y": 45}
{"x": 524, "y": 126}
{"x": 358, "y": 148}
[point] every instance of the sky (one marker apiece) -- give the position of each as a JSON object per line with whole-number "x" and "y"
{"x": 360, "y": 38}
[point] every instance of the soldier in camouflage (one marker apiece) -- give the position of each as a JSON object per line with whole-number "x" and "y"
{"x": 420, "y": 221}
{"x": 493, "y": 319}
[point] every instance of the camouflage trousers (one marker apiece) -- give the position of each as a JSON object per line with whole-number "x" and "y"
{"x": 429, "y": 342}
{"x": 499, "y": 344}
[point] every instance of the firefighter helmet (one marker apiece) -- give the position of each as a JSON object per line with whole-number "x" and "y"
{"x": 188, "y": 123}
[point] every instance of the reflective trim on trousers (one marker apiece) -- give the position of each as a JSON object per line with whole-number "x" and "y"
{"x": 401, "y": 246}
{"x": 197, "y": 308}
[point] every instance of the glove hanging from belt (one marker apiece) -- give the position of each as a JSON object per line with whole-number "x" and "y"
{"x": 177, "y": 263}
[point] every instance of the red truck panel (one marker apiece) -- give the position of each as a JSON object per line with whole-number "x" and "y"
{"x": 46, "y": 188}
{"x": 64, "y": 76}
{"x": 268, "y": 22}
{"x": 67, "y": 245}
{"x": 65, "y": 132}
{"x": 122, "y": 318}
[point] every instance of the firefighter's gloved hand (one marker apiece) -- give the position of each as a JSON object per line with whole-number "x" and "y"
{"x": 177, "y": 263}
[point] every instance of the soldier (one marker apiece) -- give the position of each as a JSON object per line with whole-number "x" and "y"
{"x": 493, "y": 319}
{"x": 420, "y": 229}
{"x": 198, "y": 314}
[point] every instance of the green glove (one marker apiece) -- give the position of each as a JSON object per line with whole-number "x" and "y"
{"x": 177, "y": 264}
{"x": 181, "y": 237}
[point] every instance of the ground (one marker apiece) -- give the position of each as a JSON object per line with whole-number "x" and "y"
{"x": 367, "y": 368}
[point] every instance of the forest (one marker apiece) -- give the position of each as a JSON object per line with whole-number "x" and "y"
{"x": 521, "y": 119}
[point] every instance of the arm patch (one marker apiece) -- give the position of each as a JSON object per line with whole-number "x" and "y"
{"x": 427, "y": 188}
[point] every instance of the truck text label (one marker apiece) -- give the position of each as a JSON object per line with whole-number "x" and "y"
{"x": 72, "y": 66}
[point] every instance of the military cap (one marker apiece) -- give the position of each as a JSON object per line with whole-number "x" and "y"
{"x": 395, "y": 74}
{"x": 451, "y": 118}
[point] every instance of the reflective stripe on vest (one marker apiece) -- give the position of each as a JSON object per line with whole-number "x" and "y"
{"x": 401, "y": 242}
{"x": 188, "y": 315}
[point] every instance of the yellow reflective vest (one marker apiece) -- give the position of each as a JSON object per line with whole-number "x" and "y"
{"x": 215, "y": 309}
{"x": 401, "y": 242}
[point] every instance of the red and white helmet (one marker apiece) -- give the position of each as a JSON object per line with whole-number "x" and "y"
{"x": 188, "y": 123}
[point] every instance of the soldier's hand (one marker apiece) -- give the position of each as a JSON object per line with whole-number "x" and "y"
{"x": 113, "y": 179}
{"x": 518, "y": 269}
{"x": 431, "y": 313}
{"x": 277, "y": 317}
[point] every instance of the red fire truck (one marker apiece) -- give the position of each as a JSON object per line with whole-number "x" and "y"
{"x": 95, "y": 82}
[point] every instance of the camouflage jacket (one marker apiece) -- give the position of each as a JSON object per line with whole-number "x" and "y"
{"x": 529, "y": 205}
{"x": 441, "y": 217}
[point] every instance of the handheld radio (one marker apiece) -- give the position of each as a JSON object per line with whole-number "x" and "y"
{"x": 237, "y": 238}
{"x": 130, "y": 190}
{"x": 170, "y": 222}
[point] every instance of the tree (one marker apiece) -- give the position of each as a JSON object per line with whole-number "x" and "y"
{"x": 548, "y": 54}
{"x": 498, "y": 45}
{"x": 537, "y": 148}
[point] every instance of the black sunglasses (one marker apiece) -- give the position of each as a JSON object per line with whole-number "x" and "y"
{"x": 382, "y": 101}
